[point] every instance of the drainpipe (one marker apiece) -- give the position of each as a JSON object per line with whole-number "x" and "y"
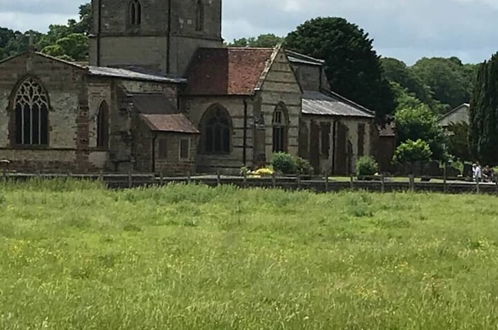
{"x": 99, "y": 30}
{"x": 334, "y": 143}
{"x": 168, "y": 40}
{"x": 154, "y": 153}
{"x": 244, "y": 155}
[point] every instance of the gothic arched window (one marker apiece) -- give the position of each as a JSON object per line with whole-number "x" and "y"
{"x": 199, "y": 16}
{"x": 103, "y": 126}
{"x": 135, "y": 12}
{"x": 216, "y": 130}
{"x": 280, "y": 129}
{"x": 31, "y": 107}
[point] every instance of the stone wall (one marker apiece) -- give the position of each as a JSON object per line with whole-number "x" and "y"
{"x": 68, "y": 147}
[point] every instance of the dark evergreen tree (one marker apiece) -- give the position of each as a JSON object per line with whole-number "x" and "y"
{"x": 483, "y": 135}
{"x": 353, "y": 67}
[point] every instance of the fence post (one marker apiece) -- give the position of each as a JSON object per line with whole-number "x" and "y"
{"x": 130, "y": 179}
{"x": 382, "y": 184}
{"x": 101, "y": 176}
{"x": 298, "y": 181}
{"x": 189, "y": 178}
{"x": 445, "y": 180}
{"x": 218, "y": 177}
{"x": 351, "y": 182}
{"x": 274, "y": 180}
{"x": 326, "y": 182}
{"x": 478, "y": 188}
{"x": 412, "y": 183}
{"x": 245, "y": 180}
{"x": 161, "y": 178}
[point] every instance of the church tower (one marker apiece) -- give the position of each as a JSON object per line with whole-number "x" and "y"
{"x": 156, "y": 36}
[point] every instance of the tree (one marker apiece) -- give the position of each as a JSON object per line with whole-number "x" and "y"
{"x": 449, "y": 79}
{"x": 484, "y": 113}
{"x": 398, "y": 72}
{"x": 352, "y": 65}
{"x": 420, "y": 123}
{"x": 411, "y": 152}
{"x": 262, "y": 41}
{"x": 458, "y": 141}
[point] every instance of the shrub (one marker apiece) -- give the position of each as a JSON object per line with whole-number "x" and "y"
{"x": 263, "y": 172}
{"x": 304, "y": 167}
{"x": 284, "y": 163}
{"x": 413, "y": 151}
{"x": 366, "y": 166}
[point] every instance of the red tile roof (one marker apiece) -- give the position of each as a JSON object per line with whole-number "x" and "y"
{"x": 175, "y": 123}
{"x": 227, "y": 71}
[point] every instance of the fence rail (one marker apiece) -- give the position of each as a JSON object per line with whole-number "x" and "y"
{"x": 320, "y": 184}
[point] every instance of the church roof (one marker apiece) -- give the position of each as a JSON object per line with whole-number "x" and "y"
{"x": 172, "y": 123}
{"x": 298, "y": 58}
{"x": 132, "y": 75}
{"x": 227, "y": 71}
{"x": 331, "y": 104}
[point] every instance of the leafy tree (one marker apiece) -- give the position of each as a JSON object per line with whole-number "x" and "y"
{"x": 397, "y": 71}
{"x": 484, "y": 113}
{"x": 458, "y": 141}
{"x": 420, "y": 123}
{"x": 352, "y": 65}
{"x": 262, "y": 41}
{"x": 411, "y": 152}
{"x": 449, "y": 79}
{"x": 73, "y": 47}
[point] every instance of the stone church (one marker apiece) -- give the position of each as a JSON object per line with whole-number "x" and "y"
{"x": 162, "y": 94}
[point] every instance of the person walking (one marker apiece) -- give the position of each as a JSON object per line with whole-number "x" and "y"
{"x": 476, "y": 172}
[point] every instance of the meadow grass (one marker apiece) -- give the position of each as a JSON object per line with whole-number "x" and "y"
{"x": 74, "y": 255}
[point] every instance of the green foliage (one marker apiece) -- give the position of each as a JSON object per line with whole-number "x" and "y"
{"x": 352, "y": 65}
{"x": 304, "y": 166}
{"x": 262, "y": 41}
{"x": 450, "y": 80}
{"x": 413, "y": 151}
{"x": 458, "y": 141}
{"x": 284, "y": 163}
{"x": 421, "y": 123}
{"x": 194, "y": 257}
{"x": 73, "y": 47}
{"x": 483, "y": 113}
{"x": 366, "y": 166}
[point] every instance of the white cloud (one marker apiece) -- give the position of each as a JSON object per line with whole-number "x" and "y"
{"x": 407, "y": 29}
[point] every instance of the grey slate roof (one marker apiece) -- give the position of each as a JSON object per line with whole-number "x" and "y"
{"x": 128, "y": 74}
{"x": 320, "y": 104}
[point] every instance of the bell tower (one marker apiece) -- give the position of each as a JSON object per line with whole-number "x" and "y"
{"x": 155, "y": 36}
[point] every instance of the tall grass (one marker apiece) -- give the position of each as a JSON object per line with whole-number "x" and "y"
{"x": 76, "y": 256}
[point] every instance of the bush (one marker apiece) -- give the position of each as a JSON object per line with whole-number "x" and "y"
{"x": 284, "y": 163}
{"x": 413, "y": 151}
{"x": 367, "y": 166}
{"x": 304, "y": 167}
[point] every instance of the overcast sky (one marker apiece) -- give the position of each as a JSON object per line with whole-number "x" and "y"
{"x": 406, "y": 29}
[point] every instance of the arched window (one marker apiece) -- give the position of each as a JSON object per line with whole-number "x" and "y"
{"x": 135, "y": 12}
{"x": 103, "y": 126}
{"x": 199, "y": 16}
{"x": 31, "y": 106}
{"x": 216, "y": 130}
{"x": 280, "y": 129}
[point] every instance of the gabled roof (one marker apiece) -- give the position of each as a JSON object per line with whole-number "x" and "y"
{"x": 228, "y": 71}
{"x": 331, "y": 104}
{"x": 449, "y": 113}
{"x": 172, "y": 123}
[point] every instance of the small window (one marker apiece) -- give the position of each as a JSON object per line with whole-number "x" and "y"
{"x": 279, "y": 129}
{"x": 135, "y": 12}
{"x": 184, "y": 149}
{"x": 163, "y": 149}
{"x": 103, "y": 126}
{"x": 361, "y": 140}
{"x": 199, "y": 16}
{"x": 325, "y": 130}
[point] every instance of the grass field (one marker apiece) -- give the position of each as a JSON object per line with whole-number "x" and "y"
{"x": 77, "y": 256}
